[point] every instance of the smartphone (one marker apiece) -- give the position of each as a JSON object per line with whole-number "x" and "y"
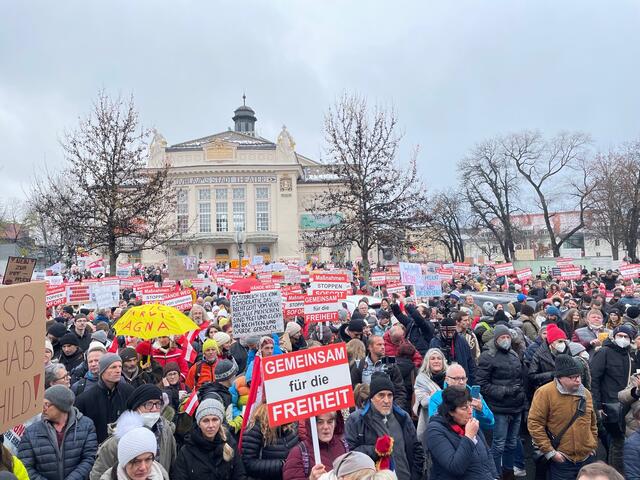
{"x": 475, "y": 391}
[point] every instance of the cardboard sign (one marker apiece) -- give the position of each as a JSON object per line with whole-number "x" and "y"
{"x": 257, "y": 313}
{"x": 410, "y": 273}
{"x": 321, "y": 308}
{"x": 307, "y": 383}
{"x": 524, "y": 274}
{"x": 22, "y": 329}
{"x": 429, "y": 286}
{"x": 19, "y": 270}
{"x": 181, "y": 300}
{"x": 56, "y": 295}
{"x": 504, "y": 269}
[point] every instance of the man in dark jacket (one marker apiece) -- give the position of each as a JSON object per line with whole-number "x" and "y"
{"x": 131, "y": 371}
{"x": 351, "y": 330}
{"x": 363, "y": 370}
{"x": 611, "y": 369}
{"x": 80, "y": 330}
{"x": 419, "y": 328}
{"x": 379, "y": 418}
{"x": 500, "y": 375}
{"x": 543, "y": 364}
{"x": 455, "y": 348}
{"x": 62, "y": 445}
{"x": 71, "y": 356}
{"x": 108, "y": 399}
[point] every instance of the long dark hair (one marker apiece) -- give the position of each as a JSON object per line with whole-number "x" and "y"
{"x": 453, "y": 398}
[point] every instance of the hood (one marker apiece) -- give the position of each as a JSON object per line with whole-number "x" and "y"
{"x": 488, "y": 309}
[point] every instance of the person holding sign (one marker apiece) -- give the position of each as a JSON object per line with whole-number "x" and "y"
{"x": 385, "y": 432}
{"x": 300, "y": 462}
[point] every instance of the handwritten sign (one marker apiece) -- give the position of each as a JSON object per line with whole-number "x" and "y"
{"x": 22, "y": 329}
{"x": 257, "y": 313}
{"x": 429, "y": 286}
{"x": 410, "y": 273}
{"x": 19, "y": 270}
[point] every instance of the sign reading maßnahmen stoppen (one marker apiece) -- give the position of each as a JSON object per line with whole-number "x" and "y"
{"x": 257, "y": 313}
{"x": 307, "y": 383}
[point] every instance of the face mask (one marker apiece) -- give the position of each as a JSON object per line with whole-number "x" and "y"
{"x": 150, "y": 419}
{"x": 557, "y": 304}
{"x": 504, "y": 344}
{"x": 561, "y": 347}
{"x": 622, "y": 342}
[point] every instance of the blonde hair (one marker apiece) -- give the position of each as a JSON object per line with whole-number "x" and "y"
{"x": 355, "y": 350}
{"x": 381, "y": 475}
{"x": 424, "y": 368}
{"x": 227, "y": 451}
{"x": 261, "y": 419}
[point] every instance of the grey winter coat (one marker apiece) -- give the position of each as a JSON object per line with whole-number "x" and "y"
{"x": 108, "y": 451}
{"x": 42, "y": 457}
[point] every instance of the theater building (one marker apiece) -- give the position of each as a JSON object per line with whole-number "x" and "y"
{"x": 239, "y": 191}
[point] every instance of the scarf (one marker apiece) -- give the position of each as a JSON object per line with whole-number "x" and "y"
{"x": 458, "y": 429}
{"x": 154, "y": 474}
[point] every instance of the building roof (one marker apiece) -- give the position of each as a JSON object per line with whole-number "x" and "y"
{"x": 240, "y": 139}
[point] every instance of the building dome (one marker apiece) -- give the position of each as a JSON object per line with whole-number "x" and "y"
{"x": 244, "y": 118}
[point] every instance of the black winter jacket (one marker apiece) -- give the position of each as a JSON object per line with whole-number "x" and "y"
{"x": 501, "y": 376}
{"x": 542, "y": 367}
{"x": 610, "y": 370}
{"x": 104, "y": 406}
{"x": 455, "y": 457}
{"x": 199, "y": 458}
{"x": 262, "y": 461}
{"x": 75, "y": 360}
{"x": 43, "y": 459}
{"x": 361, "y": 437}
{"x": 420, "y": 330}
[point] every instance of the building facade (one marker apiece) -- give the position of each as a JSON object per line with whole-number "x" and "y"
{"x": 237, "y": 191}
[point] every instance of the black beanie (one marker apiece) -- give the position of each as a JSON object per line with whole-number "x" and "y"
{"x": 526, "y": 310}
{"x": 380, "y": 381}
{"x": 69, "y": 339}
{"x": 57, "y": 330}
{"x": 128, "y": 353}
{"x": 500, "y": 317}
{"x": 142, "y": 394}
{"x": 633, "y": 312}
{"x": 566, "y": 366}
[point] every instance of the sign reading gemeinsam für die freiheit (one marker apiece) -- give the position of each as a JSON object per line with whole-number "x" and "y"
{"x": 225, "y": 179}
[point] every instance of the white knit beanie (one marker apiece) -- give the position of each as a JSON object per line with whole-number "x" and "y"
{"x": 136, "y": 442}
{"x": 210, "y": 406}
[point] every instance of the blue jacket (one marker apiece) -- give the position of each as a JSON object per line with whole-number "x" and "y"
{"x": 485, "y": 417}
{"x": 361, "y": 437}
{"x": 455, "y": 457}
{"x": 462, "y": 355}
{"x": 252, "y": 355}
{"x": 44, "y": 460}
{"x": 632, "y": 457}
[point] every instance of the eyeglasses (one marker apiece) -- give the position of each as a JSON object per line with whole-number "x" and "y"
{"x": 457, "y": 379}
{"x": 64, "y": 377}
{"x": 152, "y": 404}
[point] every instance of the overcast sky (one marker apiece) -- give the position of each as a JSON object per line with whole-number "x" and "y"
{"x": 456, "y": 71}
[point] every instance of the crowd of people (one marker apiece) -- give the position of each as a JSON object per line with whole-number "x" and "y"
{"x": 543, "y": 383}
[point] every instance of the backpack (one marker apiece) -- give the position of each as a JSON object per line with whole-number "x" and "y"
{"x": 306, "y": 459}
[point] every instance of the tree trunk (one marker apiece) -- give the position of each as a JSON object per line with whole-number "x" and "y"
{"x": 615, "y": 252}
{"x": 366, "y": 268}
{"x": 556, "y": 249}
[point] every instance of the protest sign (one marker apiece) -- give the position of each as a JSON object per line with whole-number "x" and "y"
{"x": 56, "y": 295}
{"x": 627, "y": 272}
{"x": 504, "y": 269}
{"x": 180, "y": 267}
{"x": 105, "y": 295}
{"x": 22, "y": 329}
{"x": 329, "y": 277}
{"x": 570, "y": 272}
{"x": 294, "y": 305}
{"x": 307, "y": 383}
{"x": 257, "y": 260}
{"x": 19, "y": 270}
{"x": 124, "y": 270}
{"x": 321, "y": 308}
{"x": 524, "y": 274}
{"x": 292, "y": 276}
{"x": 395, "y": 288}
{"x": 54, "y": 280}
{"x": 378, "y": 279}
{"x": 560, "y": 261}
{"x": 78, "y": 293}
{"x": 410, "y": 273}
{"x": 460, "y": 267}
{"x": 445, "y": 274}
{"x": 181, "y": 300}
{"x": 154, "y": 294}
{"x": 257, "y": 313}
{"x": 429, "y": 286}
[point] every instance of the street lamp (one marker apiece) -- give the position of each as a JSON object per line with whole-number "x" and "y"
{"x": 240, "y": 239}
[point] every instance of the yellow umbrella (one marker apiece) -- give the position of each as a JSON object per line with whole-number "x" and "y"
{"x": 153, "y": 320}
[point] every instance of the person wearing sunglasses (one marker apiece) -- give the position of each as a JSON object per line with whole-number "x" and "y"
{"x": 145, "y": 403}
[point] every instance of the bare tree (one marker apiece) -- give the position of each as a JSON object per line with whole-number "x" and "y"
{"x": 491, "y": 187}
{"x": 445, "y": 223}
{"x": 557, "y": 172}
{"x": 377, "y": 201}
{"x": 106, "y": 196}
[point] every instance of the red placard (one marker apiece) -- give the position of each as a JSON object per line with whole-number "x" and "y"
{"x": 56, "y": 295}
{"x": 293, "y": 305}
{"x": 78, "y": 293}
{"x": 504, "y": 268}
{"x": 321, "y": 308}
{"x": 378, "y": 279}
{"x": 329, "y": 277}
{"x": 524, "y": 274}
